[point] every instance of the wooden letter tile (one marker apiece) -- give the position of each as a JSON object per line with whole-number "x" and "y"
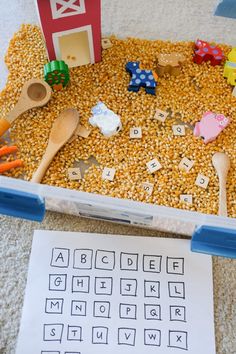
{"x": 160, "y": 115}
{"x": 186, "y": 198}
{"x": 186, "y": 164}
{"x": 135, "y": 133}
{"x": 82, "y": 131}
{"x": 148, "y": 187}
{"x": 106, "y": 43}
{"x": 153, "y": 165}
{"x": 73, "y": 138}
{"x": 74, "y": 174}
{"x": 108, "y": 173}
{"x": 202, "y": 181}
{"x": 178, "y": 129}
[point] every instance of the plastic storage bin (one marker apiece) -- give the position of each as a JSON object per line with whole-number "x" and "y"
{"x": 210, "y": 233}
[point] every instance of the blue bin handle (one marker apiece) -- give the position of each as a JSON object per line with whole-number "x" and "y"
{"x": 21, "y": 204}
{"x": 216, "y": 241}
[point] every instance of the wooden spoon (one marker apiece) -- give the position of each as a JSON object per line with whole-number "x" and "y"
{"x": 62, "y": 130}
{"x": 35, "y": 93}
{"x": 221, "y": 163}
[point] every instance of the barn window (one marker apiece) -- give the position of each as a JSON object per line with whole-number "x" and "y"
{"x": 65, "y": 8}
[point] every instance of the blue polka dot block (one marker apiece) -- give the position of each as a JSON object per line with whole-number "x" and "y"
{"x": 141, "y": 78}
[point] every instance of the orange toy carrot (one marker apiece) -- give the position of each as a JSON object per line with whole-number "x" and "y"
{"x": 7, "y": 150}
{"x": 6, "y": 166}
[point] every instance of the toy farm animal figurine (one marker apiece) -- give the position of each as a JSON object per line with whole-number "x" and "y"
{"x": 169, "y": 63}
{"x": 210, "y": 126}
{"x": 141, "y": 78}
{"x": 230, "y": 68}
{"x": 205, "y": 51}
{"x": 106, "y": 120}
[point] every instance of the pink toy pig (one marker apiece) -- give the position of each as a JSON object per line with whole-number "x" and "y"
{"x": 210, "y": 126}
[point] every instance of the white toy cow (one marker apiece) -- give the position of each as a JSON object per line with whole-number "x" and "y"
{"x": 106, "y": 120}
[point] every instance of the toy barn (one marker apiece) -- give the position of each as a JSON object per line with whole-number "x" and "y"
{"x": 72, "y": 30}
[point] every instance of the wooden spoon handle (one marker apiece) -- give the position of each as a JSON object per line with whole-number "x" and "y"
{"x": 21, "y": 107}
{"x": 223, "y": 199}
{"x": 42, "y": 169}
{"x": 4, "y": 126}
{"x": 5, "y": 123}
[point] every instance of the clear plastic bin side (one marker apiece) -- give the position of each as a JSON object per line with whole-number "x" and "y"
{"x": 118, "y": 210}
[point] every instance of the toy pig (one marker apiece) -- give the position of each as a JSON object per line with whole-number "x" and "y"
{"x": 106, "y": 120}
{"x": 210, "y": 126}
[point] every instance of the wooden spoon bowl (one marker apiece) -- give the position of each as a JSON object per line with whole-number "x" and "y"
{"x": 35, "y": 93}
{"x": 62, "y": 130}
{"x": 221, "y": 163}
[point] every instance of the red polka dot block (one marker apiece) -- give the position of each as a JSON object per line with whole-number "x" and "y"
{"x": 204, "y": 51}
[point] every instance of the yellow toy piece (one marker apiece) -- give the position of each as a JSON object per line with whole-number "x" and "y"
{"x": 230, "y": 68}
{"x": 232, "y": 55}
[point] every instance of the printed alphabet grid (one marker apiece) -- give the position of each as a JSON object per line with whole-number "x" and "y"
{"x": 103, "y": 294}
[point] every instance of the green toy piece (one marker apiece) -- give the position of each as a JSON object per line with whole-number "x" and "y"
{"x": 56, "y": 74}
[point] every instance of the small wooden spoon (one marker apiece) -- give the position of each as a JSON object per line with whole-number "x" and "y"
{"x": 221, "y": 163}
{"x": 62, "y": 130}
{"x": 35, "y": 93}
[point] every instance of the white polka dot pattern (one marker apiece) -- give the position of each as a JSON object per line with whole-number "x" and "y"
{"x": 141, "y": 78}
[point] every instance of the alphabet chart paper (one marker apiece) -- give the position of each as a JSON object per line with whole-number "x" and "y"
{"x": 103, "y": 294}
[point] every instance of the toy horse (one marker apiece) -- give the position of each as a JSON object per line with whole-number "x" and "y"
{"x": 204, "y": 52}
{"x": 141, "y": 78}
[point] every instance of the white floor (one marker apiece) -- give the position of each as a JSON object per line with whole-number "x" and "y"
{"x": 16, "y": 236}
